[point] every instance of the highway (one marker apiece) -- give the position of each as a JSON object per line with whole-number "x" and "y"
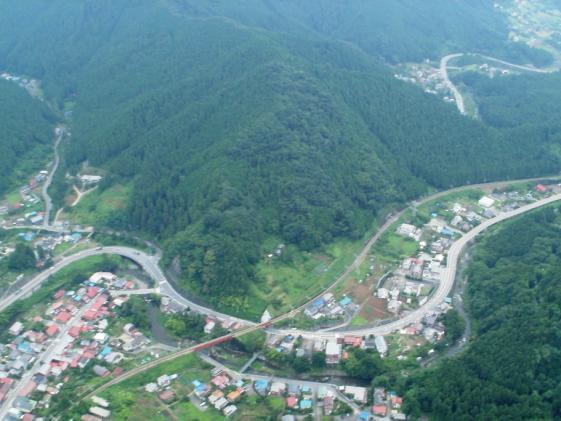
{"x": 455, "y": 91}
{"x": 446, "y": 283}
{"x": 150, "y": 265}
{"x": 442, "y": 292}
{"x": 444, "y": 74}
{"x": 147, "y": 262}
{"x": 517, "y": 66}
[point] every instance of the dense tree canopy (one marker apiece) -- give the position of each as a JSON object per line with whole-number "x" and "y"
{"x": 512, "y": 370}
{"x": 22, "y": 258}
{"x": 234, "y": 121}
{"x": 26, "y": 125}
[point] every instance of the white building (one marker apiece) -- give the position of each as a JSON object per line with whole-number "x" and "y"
{"x": 486, "y": 202}
{"x": 381, "y": 345}
{"x": 90, "y": 179}
{"x": 266, "y": 316}
{"x": 209, "y": 327}
{"x": 16, "y": 328}
{"x": 359, "y": 394}
{"x": 332, "y": 353}
{"x": 383, "y": 293}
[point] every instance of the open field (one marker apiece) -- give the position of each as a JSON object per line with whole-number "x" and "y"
{"x": 97, "y": 207}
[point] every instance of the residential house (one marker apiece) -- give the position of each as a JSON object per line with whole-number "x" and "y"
{"x": 332, "y": 353}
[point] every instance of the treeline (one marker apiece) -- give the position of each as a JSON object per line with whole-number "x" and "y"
{"x": 512, "y": 369}
{"x": 27, "y": 125}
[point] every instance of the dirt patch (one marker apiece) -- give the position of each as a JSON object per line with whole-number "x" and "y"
{"x": 323, "y": 258}
{"x": 70, "y": 199}
{"x": 375, "y": 309}
{"x": 359, "y": 292}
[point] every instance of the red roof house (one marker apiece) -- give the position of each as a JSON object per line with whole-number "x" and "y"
{"x": 99, "y": 302}
{"x": 355, "y": 341}
{"x": 59, "y": 294}
{"x": 90, "y": 315}
{"x": 396, "y": 402}
{"x": 291, "y": 402}
{"x": 28, "y": 388}
{"x": 52, "y": 330}
{"x": 380, "y": 410}
{"x": 74, "y": 331}
{"x": 63, "y": 317}
{"x": 92, "y": 292}
{"x": 541, "y": 188}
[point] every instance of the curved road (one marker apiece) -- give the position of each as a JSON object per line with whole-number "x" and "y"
{"x": 444, "y": 74}
{"x": 446, "y": 283}
{"x": 441, "y": 293}
{"x": 147, "y": 262}
{"x": 455, "y": 91}
{"x": 150, "y": 263}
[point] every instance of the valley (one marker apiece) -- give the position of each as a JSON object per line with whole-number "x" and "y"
{"x": 257, "y": 211}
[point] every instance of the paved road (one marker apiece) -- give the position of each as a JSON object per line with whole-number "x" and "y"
{"x": 457, "y": 95}
{"x": 413, "y": 317}
{"x": 314, "y": 386}
{"x": 49, "y": 228}
{"x": 444, "y": 74}
{"x": 44, "y": 191}
{"x": 517, "y": 66}
{"x": 147, "y": 262}
{"x": 150, "y": 263}
{"x": 446, "y": 283}
{"x": 54, "y": 349}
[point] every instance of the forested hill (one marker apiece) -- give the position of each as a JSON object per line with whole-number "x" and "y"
{"x": 394, "y": 30}
{"x": 231, "y": 132}
{"x": 512, "y": 368}
{"x": 26, "y": 126}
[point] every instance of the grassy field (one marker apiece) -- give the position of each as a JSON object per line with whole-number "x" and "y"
{"x": 288, "y": 284}
{"x": 129, "y": 400}
{"x": 391, "y": 248}
{"x": 98, "y": 206}
{"x": 13, "y": 197}
{"x": 187, "y": 411}
{"x": 358, "y": 321}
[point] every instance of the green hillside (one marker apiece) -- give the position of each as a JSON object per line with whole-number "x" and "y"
{"x": 393, "y": 30}
{"x": 238, "y": 123}
{"x": 512, "y": 368}
{"x": 27, "y": 129}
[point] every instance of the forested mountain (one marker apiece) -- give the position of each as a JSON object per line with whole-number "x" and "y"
{"x": 512, "y": 368}
{"x": 25, "y": 125}
{"x": 239, "y": 120}
{"x": 394, "y": 30}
